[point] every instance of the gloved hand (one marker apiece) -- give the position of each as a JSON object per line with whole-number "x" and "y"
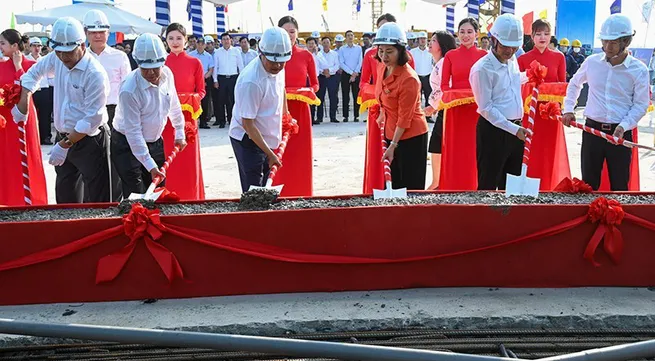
{"x": 57, "y": 155}
{"x": 18, "y": 116}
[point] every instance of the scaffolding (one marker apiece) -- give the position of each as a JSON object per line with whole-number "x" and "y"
{"x": 377, "y": 9}
{"x": 489, "y": 11}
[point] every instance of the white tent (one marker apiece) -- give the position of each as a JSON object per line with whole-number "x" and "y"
{"x": 120, "y": 20}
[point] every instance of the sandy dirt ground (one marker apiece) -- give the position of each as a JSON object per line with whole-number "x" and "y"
{"x": 339, "y": 160}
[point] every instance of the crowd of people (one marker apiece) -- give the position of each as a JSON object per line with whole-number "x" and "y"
{"x": 118, "y": 113}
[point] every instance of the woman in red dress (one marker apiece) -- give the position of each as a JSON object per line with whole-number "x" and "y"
{"x": 549, "y": 159}
{"x": 11, "y": 181}
{"x": 458, "y": 156}
{"x": 297, "y": 164}
{"x": 184, "y": 176}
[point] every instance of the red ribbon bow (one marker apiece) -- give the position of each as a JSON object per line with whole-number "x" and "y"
{"x": 9, "y": 96}
{"x": 289, "y": 124}
{"x": 374, "y": 112}
{"x": 550, "y": 110}
{"x": 537, "y": 73}
{"x": 608, "y": 213}
{"x": 573, "y": 186}
{"x": 140, "y": 223}
{"x": 190, "y": 131}
{"x": 166, "y": 196}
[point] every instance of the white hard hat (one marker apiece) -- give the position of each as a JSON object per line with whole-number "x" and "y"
{"x": 35, "y": 40}
{"x": 422, "y": 34}
{"x": 411, "y": 35}
{"x": 208, "y": 39}
{"x": 96, "y": 20}
{"x": 275, "y": 45}
{"x": 390, "y": 34}
{"x": 67, "y": 34}
{"x": 149, "y": 51}
{"x": 615, "y": 27}
{"x": 508, "y": 30}
{"x": 316, "y": 34}
{"x": 339, "y": 37}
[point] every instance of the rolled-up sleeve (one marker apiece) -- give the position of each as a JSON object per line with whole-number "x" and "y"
{"x": 43, "y": 68}
{"x": 96, "y": 91}
{"x": 482, "y": 86}
{"x": 410, "y": 94}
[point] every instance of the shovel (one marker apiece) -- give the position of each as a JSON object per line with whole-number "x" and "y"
{"x": 522, "y": 185}
{"x": 150, "y": 194}
{"x": 388, "y": 192}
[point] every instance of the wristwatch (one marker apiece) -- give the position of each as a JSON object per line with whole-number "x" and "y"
{"x": 68, "y": 142}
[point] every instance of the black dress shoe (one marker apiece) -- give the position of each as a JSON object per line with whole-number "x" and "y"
{"x": 221, "y": 126}
{"x": 345, "y": 120}
{"x": 334, "y": 121}
{"x": 204, "y": 126}
{"x": 216, "y": 123}
{"x": 316, "y": 122}
{"x": 46, "y": 142}
{"x": 356, "y": 120}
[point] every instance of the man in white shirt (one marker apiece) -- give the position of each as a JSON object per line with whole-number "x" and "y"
{"x": 328, "y": 80}
{"x": 618, "y": 99}
{"x": 80, "y": 114}
{"x": 146, "y": 101}
{"x": 247, "y": 54}
{"x": 496, "y": 83}
{"x": 228, "y": 63}
{"x": 312, "y": 47}
{"x": 115, "y": 62}
{"x": 350, "y": 59}
{"x": 423, "y": 66}
{"x": 256, "y": 128}
{"x": 208, "y": 65}
{"x": 43, "y": 97}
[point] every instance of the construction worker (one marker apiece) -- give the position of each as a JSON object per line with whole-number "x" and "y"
{"x": 260, "y": 103}
{"x": 338, "y": 41}
{"x": 80, "y": 114}
{"x": 496, "y": 83}
{"x": 574, "y": 59}
{"x": 564, "y": 46}
{"x": 618, "y": 99}
{"x": 147, "y": 100}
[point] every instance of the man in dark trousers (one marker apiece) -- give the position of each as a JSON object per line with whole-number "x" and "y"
{"x": 80, "y": 114}
{"x": 350, "y": 59}
{"x": 228, "y": 63}
{"x": 618, "y": 99}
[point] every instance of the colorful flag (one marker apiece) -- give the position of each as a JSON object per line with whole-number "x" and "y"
{"x": 359, "y": 5}
{"x": 543, "y": 14}
{"x": 325, "y": 5}
{"x": 403, "y": 5}
{"x": 527, "y": 23}
{"x": 12, "y": 24}
{"x": 615, "y": 8}
{"x": 290, "y": 5}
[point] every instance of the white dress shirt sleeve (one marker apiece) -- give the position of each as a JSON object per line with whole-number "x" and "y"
{"x": 46, "y": 67}
{"x": 175, "y": 112}
{"x": 575, "y": 87}
{"x": 640, "y": 100}
{"x": 250, "y": 100}
{"x": 96, "y": 93}
{"x": 134, "y": 130}
{"x": 239, "y": 61}
{"x": 342, "y": 61}
{"x": 482, "y": 87}
{"x": 360, "y": 60}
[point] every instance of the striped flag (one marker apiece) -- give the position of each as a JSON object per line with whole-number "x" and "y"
{"x": 221, "y": 25}
{"x": 163, "y": 12}
{"x": 615, "y": 8}
{"x": 194, "y": 10}
{"x": 450, "y": 19}
{"x": 473, "y": 8}
{"x": 507, "y": 7}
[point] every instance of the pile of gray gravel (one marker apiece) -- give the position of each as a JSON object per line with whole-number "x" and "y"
{"x": 267, "y": 201}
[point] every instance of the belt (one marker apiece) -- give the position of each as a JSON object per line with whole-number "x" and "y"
{"x": 605, "y": 127}
{"x": 65, "y": 134}
{"x": 227, "y": 76}
{"x": 516, "y": 121}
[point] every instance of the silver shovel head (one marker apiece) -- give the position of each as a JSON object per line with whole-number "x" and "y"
{"x": 277, "y": 188}
{"x": 389, "y": 192}
{"x": 522, "y": 185}
{"x": 150, "y": 194}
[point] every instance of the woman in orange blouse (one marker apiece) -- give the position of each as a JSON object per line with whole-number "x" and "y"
{"x": 398, "y": 91}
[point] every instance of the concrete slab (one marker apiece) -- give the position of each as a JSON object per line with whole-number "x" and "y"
{"x": 449, "y": 308}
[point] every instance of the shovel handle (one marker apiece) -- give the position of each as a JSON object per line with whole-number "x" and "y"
{"x": 167, "y": 164}
{"x": 527, "y": 145}
{"x": 279, "y": 154}
{"x": 386, "y": 163}
{"x": 608, "y": 137}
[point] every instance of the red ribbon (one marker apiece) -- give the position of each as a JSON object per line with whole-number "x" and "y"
{"x": 166, "y": 196}
{"x": 608, "y": 214}
{"x": 145, "y": 224}
{"x": 190, "y": 131}
{"x": 537, "y": 73}
{"x": 374, "y": 112}
{"x": 550, "y": 110}
{"x": 289, "y": 124}
{"x": 140, "y": 223}
{"x": 573, "y": 186}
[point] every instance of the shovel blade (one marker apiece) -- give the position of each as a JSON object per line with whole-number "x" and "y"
{"x": 389, "y": 193}
{"x": 522, "y": 186}
{"x": 277, "y": 188}
{"x": 135, "y": 196}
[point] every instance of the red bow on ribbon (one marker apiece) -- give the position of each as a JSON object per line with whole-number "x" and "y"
{"x": 573, "y": 186}
{"x": 374, "y": 112}
{"x": 289, "y": 124}
{"x": 3, "y": 122}
{"x": 550, "y": 110}
{"x": 608, "y": 214}
{"x": 537, "y": 73}
{"x": 190, "y": 131}
{"x": 9, "y": 96}
{"x": 140, "y": 223}
{"x": 166, "y": 196}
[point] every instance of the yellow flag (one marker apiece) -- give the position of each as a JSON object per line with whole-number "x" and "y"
{"x": 325, "y": 5}
{"x": 543, "y": 14}
{"x": 259, "y": 6}
{"x": 403, "y": 5}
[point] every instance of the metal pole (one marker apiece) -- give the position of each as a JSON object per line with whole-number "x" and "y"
{"x": 613, "y": 353}
{"x": 270, "y": 345}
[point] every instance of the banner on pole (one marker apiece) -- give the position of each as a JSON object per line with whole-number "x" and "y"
{"x": 576, "y": 19}
{"x": 615, "y": 8}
